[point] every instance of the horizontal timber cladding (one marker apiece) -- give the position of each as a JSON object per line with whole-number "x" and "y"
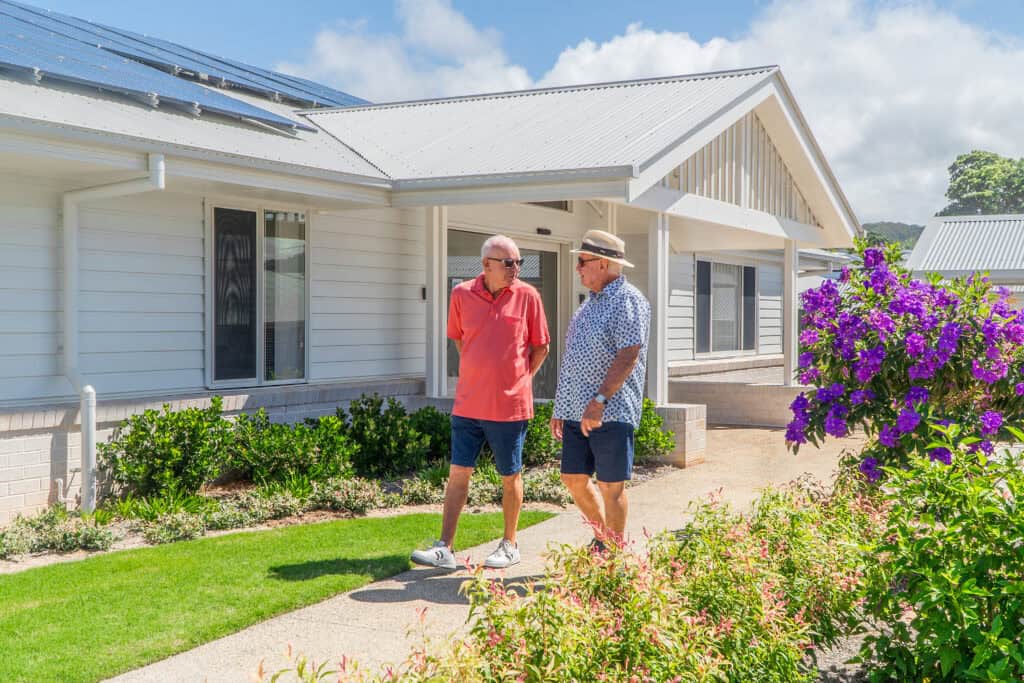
{"x": 769, "y": 323}
{"x": 367, "y": 314}
{"x": 742, "y": 166}
{"x": 680, "y": 343}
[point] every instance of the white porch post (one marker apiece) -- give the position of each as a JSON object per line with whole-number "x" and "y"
{"x": 657, "y": 293}
{"x": 789, "y": 312}
{"x": 436, "y": 315}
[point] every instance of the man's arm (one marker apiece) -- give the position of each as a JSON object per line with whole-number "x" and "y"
{"x": 458, "y": 345}
{"x": 537, "y": 356}
{"x": 623, "y": 364}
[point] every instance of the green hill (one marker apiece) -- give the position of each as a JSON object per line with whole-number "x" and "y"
{"x": 891, "y": 231}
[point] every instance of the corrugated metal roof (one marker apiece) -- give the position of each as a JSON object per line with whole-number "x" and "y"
{"x": 623, "y": 124}
{"x": 962, "y": 244}
{"x": 86, "y": 110}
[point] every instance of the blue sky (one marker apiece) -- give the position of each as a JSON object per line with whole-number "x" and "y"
{"x": 533, "y": 32}
{"x": 893, "y": 90}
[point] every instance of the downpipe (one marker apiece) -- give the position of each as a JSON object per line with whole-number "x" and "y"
{"x": 156, "y": 180}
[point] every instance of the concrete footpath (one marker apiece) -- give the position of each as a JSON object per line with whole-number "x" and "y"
{"x": 377, "y": 624}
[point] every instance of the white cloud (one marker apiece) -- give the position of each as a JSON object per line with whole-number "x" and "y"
{"x": 893, "y": 92}
{"x": 437, "y": 53}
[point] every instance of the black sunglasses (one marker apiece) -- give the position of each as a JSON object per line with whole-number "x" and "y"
{"x": 582, "y": 262}
{"x": 508, "y": 262}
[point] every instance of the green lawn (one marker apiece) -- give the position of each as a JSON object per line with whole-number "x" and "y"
{"x": 89, "y": 620}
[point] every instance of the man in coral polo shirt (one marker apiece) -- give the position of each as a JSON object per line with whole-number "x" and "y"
{"x": 499, "y": 329}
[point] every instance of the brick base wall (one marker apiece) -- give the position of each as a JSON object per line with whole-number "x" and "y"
{"x": 40, "y": 448}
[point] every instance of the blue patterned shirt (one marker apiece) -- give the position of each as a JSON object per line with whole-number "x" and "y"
{"x": 610, "y": 320}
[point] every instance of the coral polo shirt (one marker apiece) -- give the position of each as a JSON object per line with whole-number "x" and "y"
{"x": 496, "y": 334}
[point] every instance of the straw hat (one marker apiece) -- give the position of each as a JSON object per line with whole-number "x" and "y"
{"x": 605, "y": 245}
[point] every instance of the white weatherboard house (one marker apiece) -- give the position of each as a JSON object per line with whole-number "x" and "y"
{"x": 961, "y": 246}
{"x": 161, "y": 244}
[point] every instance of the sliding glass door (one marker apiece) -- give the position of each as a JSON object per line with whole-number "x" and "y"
{"x": 259, "y": 296}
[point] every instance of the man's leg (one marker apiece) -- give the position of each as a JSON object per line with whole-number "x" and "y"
{"x": 511, "y": 503}
{"x": 455, "y": 495}
{"x": 616, "y": 505}
{"x": 587, "y": 499}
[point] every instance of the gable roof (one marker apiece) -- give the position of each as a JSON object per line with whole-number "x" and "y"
{"x": 960, "y": 245}
{"x": 616, "y": 128}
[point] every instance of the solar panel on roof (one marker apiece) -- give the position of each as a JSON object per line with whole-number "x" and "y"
{"x": 42, "y": 53}
{"x": 174, "y": 57}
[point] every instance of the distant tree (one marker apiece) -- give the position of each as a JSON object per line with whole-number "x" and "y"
{"x": 985, "y": 183}
{"x": 905, "y": 234}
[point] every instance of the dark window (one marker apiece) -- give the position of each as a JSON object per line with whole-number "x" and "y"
{"x": 703, "y": 306}
{"x": 235, "y": 297}
{"x": 749, "y": 308}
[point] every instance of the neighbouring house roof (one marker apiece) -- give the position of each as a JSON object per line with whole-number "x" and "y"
{"x": 617, "y": 127}
{"x": 961, "y": 245}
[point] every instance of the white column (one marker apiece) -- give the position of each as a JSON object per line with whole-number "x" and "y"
{"x": 789, "y": 312}
{"x": 657, "y": 293}
{"x": 437, "y": 300}
{"x": 611, "y": 218}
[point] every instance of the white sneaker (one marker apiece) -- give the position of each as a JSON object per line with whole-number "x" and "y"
{"x": 505, "y": 555}
{"x": 437, "y": 555}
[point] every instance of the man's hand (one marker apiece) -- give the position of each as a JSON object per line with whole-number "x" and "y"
{"x": 593, "y": 416}
{"x": 556, "y": 428}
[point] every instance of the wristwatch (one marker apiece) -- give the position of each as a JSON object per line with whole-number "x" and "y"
{"x": 601, "y": 398}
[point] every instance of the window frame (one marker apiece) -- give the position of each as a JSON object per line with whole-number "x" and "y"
{"x": 711, "y": 353}
{"x": 260, "y": 209}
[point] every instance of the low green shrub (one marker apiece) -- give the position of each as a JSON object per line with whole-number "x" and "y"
{"x": 545, "y": 486}
{"x": 150, "y": 509}
{"x": 436, "y": 474}
{"x": 355, "y": 495}
{"x": 172, "y": 527}
{"x": 650, "y": 441}
{"x": 419, "y": 491}
{"x": 436, "y": 425}
{"x": 946, "y": 594}
{"x": 266, "y": 451}
{"x": 540, "y": 447}
{"x": 230, "y": 514}
{"x": 728, "y": 598}
{"x": 388, "y": 444}
{"x": 156, "y": 451}
{"x": 485, "y": 485}
{"x": 55, "y": 529}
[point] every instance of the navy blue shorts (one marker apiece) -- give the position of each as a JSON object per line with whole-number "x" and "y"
{"x": 505, "y": 439}
{"x": 608, "y": 451}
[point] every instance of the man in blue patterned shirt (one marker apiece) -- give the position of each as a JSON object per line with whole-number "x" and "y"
{"x": 601, "y": 385}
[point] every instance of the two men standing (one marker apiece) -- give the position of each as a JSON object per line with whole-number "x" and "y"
{"x": 499, "y": 329}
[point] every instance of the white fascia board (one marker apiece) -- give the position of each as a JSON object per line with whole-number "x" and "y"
{"x": 792, "y": 137}
{"x": 501, "y": 179}
{"x": 614, "y": 189}
{"x": 262, "y": 180}
{"x": 48, "y": 148}
{"x": 144, "y": 146}
{"x": 715, "y": 212}
{"x": 656, "y": 168}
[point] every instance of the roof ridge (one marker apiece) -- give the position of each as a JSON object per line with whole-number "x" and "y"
{"x": 981, "y": 217}
{"x": 768, "y": 68}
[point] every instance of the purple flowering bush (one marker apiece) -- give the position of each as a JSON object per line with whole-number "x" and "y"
{"x": 892, "y": 355}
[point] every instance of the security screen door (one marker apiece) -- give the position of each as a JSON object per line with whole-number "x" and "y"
{"x": 540, "y": 269}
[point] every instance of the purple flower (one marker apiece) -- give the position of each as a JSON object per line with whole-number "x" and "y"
{"x": 835, "y": 425}
{"x": 873, "y": 258}
{"x": 1018, "y": 388}
{"x": 795, "y": 432}
{"x": 942, "y": 455}
{"x": 992, "y": 353}
{"x": 882, "y": 323}
{"x": 888, "y": 436}
{"x": 1014, "y": 332}
{"x": 805, "y": 359}
{"x": 862, "y": 396}
{"x": 808, "y": 337}
{"x": 989, "y": 375}
{"x": 949, "y": 337}
{"x": 809, "y": 376}
{"x": 907, "y": 421}
{"x": 844, "y": 274}
{"x": 915, "y": 344}
{"x": 800, "y": 403}
{"x": 916, "y": 395}
{"x": 991, "y": 421}
{"x": 831, "y": 393}
{"x": 869, "y": 468}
